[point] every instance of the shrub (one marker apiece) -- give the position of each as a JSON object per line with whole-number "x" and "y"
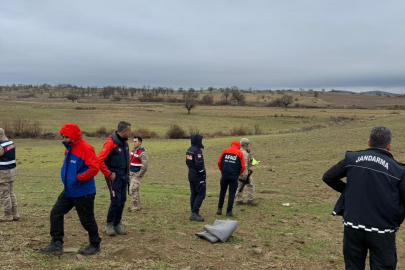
{"x": 207, "y": 100}
{"x": 116, "y": 98}
{"x": 240, "y": 131}
{"x": 258, "y": 130}
{"x": 217, "y": 134}
{"x": 20, "y": 128}
{"x": 176, "y": 132}
{"x": 223, "y": 102}
{"x": 26, "y": 95}
{"x": 340, "y": 119}
{"x": 151, "y": 99}
{"x": 100, "y": 132}
{"x": 72, "y": 97}
{"x": 144, "y": 133}
{"x": 173, "y": 100}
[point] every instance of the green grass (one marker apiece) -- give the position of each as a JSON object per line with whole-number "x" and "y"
{"x": 291, "y": 168}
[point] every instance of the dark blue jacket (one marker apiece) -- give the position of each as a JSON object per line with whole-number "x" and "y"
{"x": 231, "y": 162}
{"x": 80, "y": 164}
{"x": 371, "y": 199}
{"x": 114, "y": 157}
{"x": 7, "y": 160}
{"x": 195, "y": 159}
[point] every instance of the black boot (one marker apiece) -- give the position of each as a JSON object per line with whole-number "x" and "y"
{"x": 91, "y": 249}
{"x": 56, "y": 247}
{"x": 196, "y": 217}
{"x": 229, "y": 214}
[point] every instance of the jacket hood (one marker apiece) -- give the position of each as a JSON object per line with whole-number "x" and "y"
{"x": 71, "y": 130}
{"x": 235, "y": 144}
{"x": 196, "y": 140}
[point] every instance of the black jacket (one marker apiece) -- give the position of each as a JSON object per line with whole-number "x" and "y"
{"x": 195, "y": 159}
{"x": 374, "y": 197}
{"x": 114, "y": 157}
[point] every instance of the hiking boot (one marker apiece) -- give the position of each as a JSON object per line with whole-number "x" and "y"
{"x": 7, "y": 217}
{"x": 252, "y": 202}
{"x": 196, "y": 217}
{"x": 109, "y": 229}
{"x": 119, "y": 230}
{"x": 229, "y": 214}
{"x": 240, "y": 202}
{"x": 219, "y": 211}
{"x": 15, "y": 214}
{"x": 91, "y": 249}
{"x": 54, "y": 248}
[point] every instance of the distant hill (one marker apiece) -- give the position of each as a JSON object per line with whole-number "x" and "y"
{"x": 343, "y": 91}
{"x": 378, "y": 93}
{"x": 374, "y": 92}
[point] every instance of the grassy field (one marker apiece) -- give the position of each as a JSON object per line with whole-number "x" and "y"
{"x": 270, "y": 236}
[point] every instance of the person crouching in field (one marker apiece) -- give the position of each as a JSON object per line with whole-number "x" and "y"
{"x": 196, "y": 176}
{"x": 372, "y": 202}
{"x": 77, "y": 173}
{"x": 7, "y": 177}
{"x": 231, "y": 164}
{"x": 138, "y": 167}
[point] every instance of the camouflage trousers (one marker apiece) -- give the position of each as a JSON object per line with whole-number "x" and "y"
{"x": 135, "y": 181}
{"x": 249, "y": 189}
{"x": 7, "y": 197}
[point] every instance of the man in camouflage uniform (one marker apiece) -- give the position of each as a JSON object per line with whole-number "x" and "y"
{"x": 138, "y": 167}
{"x": 250, "y": 186}
{"x": 7, "y": 178}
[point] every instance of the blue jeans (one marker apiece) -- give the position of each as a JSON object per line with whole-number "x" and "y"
{"x": 233, "y": 186}
{"x": 198, "y": 189}
{"x": 119, "y": 187}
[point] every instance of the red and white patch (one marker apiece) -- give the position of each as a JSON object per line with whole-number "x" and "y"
{"x": 8, "y": 148}
{"x": 199, "y": 155}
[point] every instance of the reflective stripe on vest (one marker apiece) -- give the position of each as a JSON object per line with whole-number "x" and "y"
{"x": 7, "y": 163}
{"x": 135, "y": 161}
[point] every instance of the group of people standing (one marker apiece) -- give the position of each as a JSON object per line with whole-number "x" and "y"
{"x": 120, "y": 169}
{"x": 372, "y": 201}
{"x": 234, "y": 163}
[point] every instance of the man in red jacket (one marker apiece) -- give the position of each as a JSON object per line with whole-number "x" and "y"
{"x": 114, "y": 164}
{"x": 77, "y": 173}
{"x": 231, "y": 164}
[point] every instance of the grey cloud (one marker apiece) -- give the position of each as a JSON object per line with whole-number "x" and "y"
{"x": 259, "y": 44}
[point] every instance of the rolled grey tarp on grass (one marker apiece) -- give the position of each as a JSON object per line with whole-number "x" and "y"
{"x": 221, "y": 230}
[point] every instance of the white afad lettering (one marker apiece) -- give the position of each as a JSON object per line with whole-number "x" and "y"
{"x": 230, "y": 157}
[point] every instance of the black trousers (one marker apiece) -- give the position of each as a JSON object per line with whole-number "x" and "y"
{"x": 356, "y": 242}
{"x": 85, "y": 210}
{"x": 233, "y": 186}
{"x": 117, "y": 204}
{"x": 197, "y": 196}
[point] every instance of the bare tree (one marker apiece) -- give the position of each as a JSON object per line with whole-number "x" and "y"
{"x": 239, "y": 97}
{"x": 226, "y": 93}
{"x": 190, "y": 98}
{"x": 286, "y": 100}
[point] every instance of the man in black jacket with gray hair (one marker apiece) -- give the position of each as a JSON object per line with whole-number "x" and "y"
{"x": 372, "y": 202}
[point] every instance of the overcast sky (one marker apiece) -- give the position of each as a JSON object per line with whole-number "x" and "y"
{"x": 270, "y": 44}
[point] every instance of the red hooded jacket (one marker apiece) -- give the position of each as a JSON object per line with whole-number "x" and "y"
{"x": 231, "y": 162}
{"x": 80, "y": 164}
